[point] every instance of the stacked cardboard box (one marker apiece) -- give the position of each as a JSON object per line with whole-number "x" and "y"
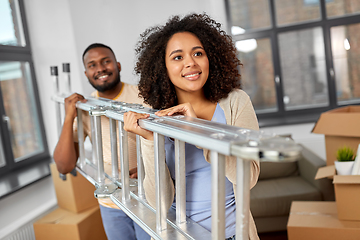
{"x": 340, "y": 219}
{"x": 347, "y": 192}
{"x": 319, "y": 221}
{"x": 78, "y": 216}
{"x": 340, "y": 127}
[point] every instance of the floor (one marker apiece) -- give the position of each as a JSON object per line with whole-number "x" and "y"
{"x": 273, "y": 236}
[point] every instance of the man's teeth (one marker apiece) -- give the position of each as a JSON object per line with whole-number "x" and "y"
{"x": 103, "y": 76}
{"x": 192, "y": 75}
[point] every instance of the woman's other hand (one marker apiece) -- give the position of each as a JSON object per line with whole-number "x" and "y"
{"x": 131, "y": 124}
{"x": 182, "y": 109}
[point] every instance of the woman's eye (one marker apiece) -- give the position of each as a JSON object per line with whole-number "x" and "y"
{"x": 198, "y": 54}
{"x": 177, "y": 58}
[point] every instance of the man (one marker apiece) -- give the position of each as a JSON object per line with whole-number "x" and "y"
{"x": 103, "y": 73}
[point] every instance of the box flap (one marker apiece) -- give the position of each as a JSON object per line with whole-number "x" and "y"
{"x": 347, "y": 179}
{"x": 62, "y": 216}
{"x": 327, "y": 171}
{"x": 54, "y": 217}
{"x": 342, "y": 121}
{"x": 309, "y": 207}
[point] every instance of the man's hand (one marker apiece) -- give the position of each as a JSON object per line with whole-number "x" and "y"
{"x": 70, "y": 105}
{"x": 133, "y": 173}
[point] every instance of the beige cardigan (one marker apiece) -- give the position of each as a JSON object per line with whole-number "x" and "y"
{"x": 239, "y": 112}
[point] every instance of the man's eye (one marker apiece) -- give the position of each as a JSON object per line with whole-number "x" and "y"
{"x": 91, "y": 66}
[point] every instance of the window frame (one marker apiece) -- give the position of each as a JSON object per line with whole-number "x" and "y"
{"x": 13, "y": 169}
{"x": 298, "y": 116}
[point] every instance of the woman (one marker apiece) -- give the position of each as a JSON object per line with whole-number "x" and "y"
{"x": 189, "y": 66}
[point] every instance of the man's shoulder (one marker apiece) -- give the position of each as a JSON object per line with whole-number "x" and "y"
{"x": 94, "y": 94}
{"x": 130, "y": 94}
{"x": 131, "y": 87}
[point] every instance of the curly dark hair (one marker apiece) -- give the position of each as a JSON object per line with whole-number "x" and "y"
{"x": 155, "y": 86}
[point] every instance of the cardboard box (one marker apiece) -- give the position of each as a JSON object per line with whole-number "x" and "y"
{"x": 318, "y": 221}
{"x": 347, "y": 192}
{"x": 61, "y": 224}
{"x": 75, "y": 194}
{"x": 340, "y": 127}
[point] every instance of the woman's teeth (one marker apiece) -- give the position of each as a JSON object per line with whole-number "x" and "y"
{"x": 192, "y": 75}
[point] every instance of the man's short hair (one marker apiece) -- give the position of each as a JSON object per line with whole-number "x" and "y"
{"x": 96, "y": 45}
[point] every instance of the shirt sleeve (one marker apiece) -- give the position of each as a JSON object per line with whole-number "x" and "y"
{"x": 147, "y": 150}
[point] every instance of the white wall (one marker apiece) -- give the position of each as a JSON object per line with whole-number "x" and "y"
{"x": 61, "y": 30}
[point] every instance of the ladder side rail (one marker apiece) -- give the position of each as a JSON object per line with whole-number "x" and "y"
{"x": 180, "y": 181}
{"x": 217, "y": 195}
{"x": 114, "y": 150}
{"x": 124, "y": 161}
{"x": 160, "y": 169}
{"x": 100, "y": 177}
{"x": 140, "y": 169}
{"x": 80, "y": 128}
{"x": 242, "y": 198}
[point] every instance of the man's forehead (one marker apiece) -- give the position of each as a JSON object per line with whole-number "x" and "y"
{"x": 98, "y": 53}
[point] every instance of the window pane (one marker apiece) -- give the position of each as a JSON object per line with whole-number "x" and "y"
{"x": 296, "y": 11}
{"x": 302, "y": 61}
{"x": 248, "y": 15}
{"x": 257, "y": 73}
{"x": 346, "y": 57}
{"x": 336, "y": 8}
{"x": 20, "y": 109}
{"x": 11, "y": 30}
{"x": 2, "y": 156}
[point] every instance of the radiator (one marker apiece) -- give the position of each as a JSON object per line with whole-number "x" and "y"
{"x": 25, "y": 232}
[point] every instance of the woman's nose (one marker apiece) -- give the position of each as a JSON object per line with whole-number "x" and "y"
{"x": 189, "y": 62}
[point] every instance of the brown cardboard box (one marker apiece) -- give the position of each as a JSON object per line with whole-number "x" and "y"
{"x": 318, "y": 221}
{"x": 75, "y": 194}
{"x": 340, "y": 127}
{"x": 61, "y": 224}
{"x": 347, "y": 192}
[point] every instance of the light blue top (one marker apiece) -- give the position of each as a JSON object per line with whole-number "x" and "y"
{"x": 198, "y": 183}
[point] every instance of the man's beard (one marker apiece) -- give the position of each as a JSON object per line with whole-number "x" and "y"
{"x": 107, "y": 85}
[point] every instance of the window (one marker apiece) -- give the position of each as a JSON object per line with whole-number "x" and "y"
{"x": 346, "y": 59}
{"x": 300, "y": 58}
{"x": 22, "y": 143}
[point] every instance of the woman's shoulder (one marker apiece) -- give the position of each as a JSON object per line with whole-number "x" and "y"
{"x": 236, "y": 95}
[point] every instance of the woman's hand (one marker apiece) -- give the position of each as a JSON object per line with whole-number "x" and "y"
{"x": 131, "y": 124}
{"x": 182, "y": 109}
